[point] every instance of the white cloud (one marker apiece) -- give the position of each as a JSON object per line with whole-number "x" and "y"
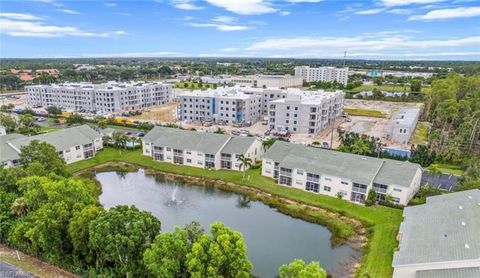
{"x": 400, "y": 11}
{"x": 284, "y": 13}
{"x": 185, "y": 5}
{"x": 371, "y": 11}
{"x": 245, "y": 7}
{"x": 20, "y": 16}
{"x": 224, "y": 19}
{"x": 110, "y": 5}
{"x": 67, "y": 11}
{"x": 220, "y": 26}
{"x": 19, "y": 28}
{"x": 136, "y": 54}
{"x": 461, "y": 12}
{"x": 367, "y": 43}
{"x": 393, "y": 3}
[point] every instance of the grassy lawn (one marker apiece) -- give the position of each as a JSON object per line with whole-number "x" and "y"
{"x": 383, "y": 222}
{"x": 364, "y": 112}
{"x": 448, "y": 168}
{"x": 193, "y": 85}
{"x": 45, "y": 129}
{"x": 395, "y": 88}
{"x": 421, "y": 133}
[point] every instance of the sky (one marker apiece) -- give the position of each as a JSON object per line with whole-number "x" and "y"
{"x": 365, "y": 29}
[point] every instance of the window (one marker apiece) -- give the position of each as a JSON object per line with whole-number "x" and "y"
{"x": 169, "y": 149}
{"x": 327, "y": 179}
{"x": 189, "y": 160}
{"x": 397, "y": 189}
{"x": 327, "y": 188}
{"x": 77, "y": 147}
{"x": 299, "y": 171}
{"x": 344, "y": 182}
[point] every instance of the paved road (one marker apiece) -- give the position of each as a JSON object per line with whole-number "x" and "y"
{"x": 10, "y": 271}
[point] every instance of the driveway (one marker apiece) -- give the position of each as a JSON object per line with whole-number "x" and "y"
{"x": 7, "y": 271}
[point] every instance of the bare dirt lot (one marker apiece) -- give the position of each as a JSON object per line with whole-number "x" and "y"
{"x": 163, "y": 114}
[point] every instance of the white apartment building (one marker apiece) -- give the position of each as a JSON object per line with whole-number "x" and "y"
{"x": 440, "y": 239}
{"x": 268, "y": 81}
{"x": 222, "y": 105}
{"x": 109, "y": 98}
{"x": 200, "y": 149}
{"x": 305, "y": 111}
{"x": 73, "y": 144}
{"x": 327, "y": 74}
{"x": 335, "y": 173}
{"x": 402, "y": 125}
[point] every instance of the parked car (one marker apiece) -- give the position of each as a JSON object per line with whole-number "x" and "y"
{"x": 325, "y": 145}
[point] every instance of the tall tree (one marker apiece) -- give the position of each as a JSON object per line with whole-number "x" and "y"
{"x": 120, "y": 236}
{"x": 299, "y": 269}
{"x": 45, "y": 154}
{"x": 245, "y": 162}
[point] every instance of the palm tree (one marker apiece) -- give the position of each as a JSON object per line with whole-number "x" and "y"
{"x": 266, "y": 144}
{"x": 244, "y": 162}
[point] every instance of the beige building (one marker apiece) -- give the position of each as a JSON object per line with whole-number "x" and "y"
{"x": 73, "y": 144}
{"x": 335, "y": 173}
{"x": 200, "y": 149}
{"x": 441, "y": 238}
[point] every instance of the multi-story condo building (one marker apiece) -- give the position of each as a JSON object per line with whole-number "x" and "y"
{"x": 305, "y": 112}
{"x": 223, "y": 105}
{"x": 73, "y": 144}
{"x": 336, "y": 174}
{"x": 327, "y": 74}
{"x": 402, "y": 125}
{"x": 108, "y": 98}
{"x": 440, "y": 239}
{"x": 200, "y": 149}
{"x": 268, "y": 81}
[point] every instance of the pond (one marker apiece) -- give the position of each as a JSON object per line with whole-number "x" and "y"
{"x": 272, "y": 238}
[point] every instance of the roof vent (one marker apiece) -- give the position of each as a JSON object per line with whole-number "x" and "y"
{"x": 464, "y": 224}
{"x": 467, "y": 246}
{"x": 460, "y": 207}
{"x": 445, "y": 235}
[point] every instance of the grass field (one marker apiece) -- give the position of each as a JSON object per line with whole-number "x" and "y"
{"x": 395, "y": 88}
{"x": 382, "y": 222}
{"x": 448, "y": 168}
{"x": 364, "y": 112}
{"x": 420, "y": 135}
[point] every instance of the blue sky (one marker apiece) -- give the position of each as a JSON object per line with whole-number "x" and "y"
{"x": 377, "y": 29}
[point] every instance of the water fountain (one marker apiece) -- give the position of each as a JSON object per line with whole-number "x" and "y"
{"x": 173, "y": 199}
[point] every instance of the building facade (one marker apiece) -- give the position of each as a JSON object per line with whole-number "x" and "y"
{"x": 200, "y": 149}
{"x": 402, "y": 125}
{"x": 440, "y": 238}
{"x": 305, "y": 112}
{"x": 108, "y": 98}
{"x": 268, "y": 81}
{"x": 223, "y": 105}
{"x": 73, "y": 144}
{"x": 326, "y": 74}
{"x": 337, "y": 174}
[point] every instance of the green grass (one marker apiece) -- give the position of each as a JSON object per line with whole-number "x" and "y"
{"x": 448, "y": 168}
{"x": 45, "y": 129}
{"x": 421, "y": 133}
{"x": 383, "y": 222}
{"x": 364, "y": 112}
{"x": 193, "y": 85}
{"x": 396, "y": 88}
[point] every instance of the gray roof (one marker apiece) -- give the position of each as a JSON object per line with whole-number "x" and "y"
{"x": 238, "y": 145}
{"x": 61, "y": 140}
{"x": 396, "y": 172}
{"x": 465, "y": 272}
{"x": 446, "y": 228}
{"x": 357, "y": 168}
{"x": 6, "y": 151}
{"x": 176, "y": 138}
